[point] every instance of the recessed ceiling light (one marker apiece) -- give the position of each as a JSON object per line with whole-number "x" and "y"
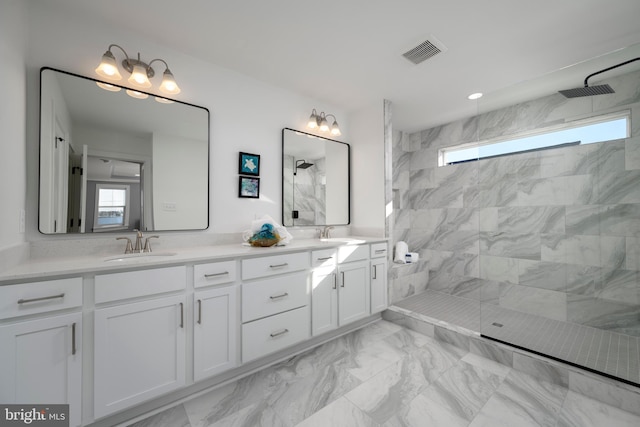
{"x": 475, "y": 95}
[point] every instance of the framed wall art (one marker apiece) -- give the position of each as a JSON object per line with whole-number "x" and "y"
{"x": 249, "y": 164}
{"x": 249, "y": 187}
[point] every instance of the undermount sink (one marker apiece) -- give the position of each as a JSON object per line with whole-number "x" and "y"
{"x": 138, "y": 256}
{"x": 344, "y": 240}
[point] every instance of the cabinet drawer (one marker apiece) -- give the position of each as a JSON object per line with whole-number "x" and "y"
{"x": 350, "y": 253}
{"x": 272, "y": 265}
{"x": 40, "y": 297}
{"x": 324, "y": 257}
{"x": 214, "y": 273}
{"x": 379, "y": 250}
{"x": 274, "y": 333}
{"x": 117, "y": 286}
{"x": 275, "y": 295}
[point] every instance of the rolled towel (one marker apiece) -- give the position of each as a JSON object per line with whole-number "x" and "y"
{"x": 401, "y": 252}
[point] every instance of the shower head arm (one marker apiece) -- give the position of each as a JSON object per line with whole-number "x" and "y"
{"x": 586, "y": 84}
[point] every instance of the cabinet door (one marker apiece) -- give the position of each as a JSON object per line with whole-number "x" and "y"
{"x": 215, "y": 331}
{"x": 353, "y": 293}
{"x": 42, "y": 363}
{"x": 378, "y": 285}
{"x": 324, "y": 300}
{"x": 139, "y": 352}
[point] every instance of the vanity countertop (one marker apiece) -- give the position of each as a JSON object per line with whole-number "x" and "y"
{"x": 52, "y": 267}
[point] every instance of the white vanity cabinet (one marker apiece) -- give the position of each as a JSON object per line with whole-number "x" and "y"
{"x": 139, "y": 347}
{"x": 42, "y": 357}
{"x": 340, "y": 287}
{"x": 275, "y": 303}
{"x": 215, "y": 319}
{"x": 378, "y": 277}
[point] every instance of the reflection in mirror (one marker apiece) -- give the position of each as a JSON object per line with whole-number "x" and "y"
{"x": 315, "y": 180}
{"x": 110, "y": 161}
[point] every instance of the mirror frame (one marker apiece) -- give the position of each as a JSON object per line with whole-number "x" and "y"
{"x": 110, "y": 232}
{"x": 348, "y": 177}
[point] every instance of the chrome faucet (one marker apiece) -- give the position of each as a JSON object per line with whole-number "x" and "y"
{"x": 129, "y": 248}
{"x": 147, "y": 244}
{"x": 139, "y": 236}
{"x": 324, "y": 233}
{"x": 138, "y": 248}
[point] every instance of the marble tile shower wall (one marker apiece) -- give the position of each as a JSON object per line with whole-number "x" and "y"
{"x": 554, "y": 233}
{"x": 309, "y": 191}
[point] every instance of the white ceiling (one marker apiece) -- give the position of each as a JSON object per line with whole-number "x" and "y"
{"x": 348, "y": 52}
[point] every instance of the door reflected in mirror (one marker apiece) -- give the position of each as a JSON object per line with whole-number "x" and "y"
{"x": 315, "y": 180}
{"x": 113, "y": 162}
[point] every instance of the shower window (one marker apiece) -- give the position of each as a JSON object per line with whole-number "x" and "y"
{"x": 587, "y": 131}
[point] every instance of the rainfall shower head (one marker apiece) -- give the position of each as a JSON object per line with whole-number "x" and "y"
{"x": 593, "y": 90}
{"x": 301, "y": 164}
{"x": 587, "y": 91}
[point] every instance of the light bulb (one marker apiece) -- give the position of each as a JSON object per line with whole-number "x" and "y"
{"x": 169, "y": 84}
{"x": 107, "y": 86}
{"x": 324, "y": 126}
{"x": 163, "y": 100}
{"x": 108, "y": 67}
{"x": 136, "y": 94}
{"x": 335, "y": 130}
{"x": 313, "y": 123}
{"x": 139, "y": 77}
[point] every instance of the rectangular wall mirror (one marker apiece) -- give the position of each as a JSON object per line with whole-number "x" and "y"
{"x": 315, "y": 180}
{"x": 114, "y": 160}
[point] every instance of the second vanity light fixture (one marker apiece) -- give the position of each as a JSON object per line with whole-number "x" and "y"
{"x": 320, "y": 121}
{"x": 140, "y": 72}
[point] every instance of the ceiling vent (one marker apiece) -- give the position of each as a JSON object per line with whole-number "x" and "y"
{"x": 425, "y": 50}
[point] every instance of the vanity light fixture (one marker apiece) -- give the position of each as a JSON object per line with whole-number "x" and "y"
{"x": 320, "y": 121}
{"x": 140, "y": 72}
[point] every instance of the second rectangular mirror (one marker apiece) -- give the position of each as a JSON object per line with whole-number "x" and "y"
{"x": 315, "y": 180}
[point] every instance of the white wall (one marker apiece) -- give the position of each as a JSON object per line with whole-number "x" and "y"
{"x": 13, "y": 39}
{"x": 366, "y": 130}
{"x": 246, "y": 114}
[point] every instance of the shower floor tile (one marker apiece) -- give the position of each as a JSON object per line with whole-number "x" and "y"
{"x": 607, "y": 352}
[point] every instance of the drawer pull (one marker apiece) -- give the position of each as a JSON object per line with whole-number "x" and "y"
{"x": 73, "y": 338}
{"x": 208, "y": 276}
{"x": 279, "y": 265}
{"x": 24, "y": 301}
{"x": 277, "y": 334}
{"x": 325, "y": 258}
{"x": 181, "y": 315}
{"x": 381, "y": 251}
{"x": 199, "y": 312}
{"x": 286, "y": 294}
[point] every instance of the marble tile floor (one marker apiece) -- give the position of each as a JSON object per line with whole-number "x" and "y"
{"x": 389, "y": 376}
